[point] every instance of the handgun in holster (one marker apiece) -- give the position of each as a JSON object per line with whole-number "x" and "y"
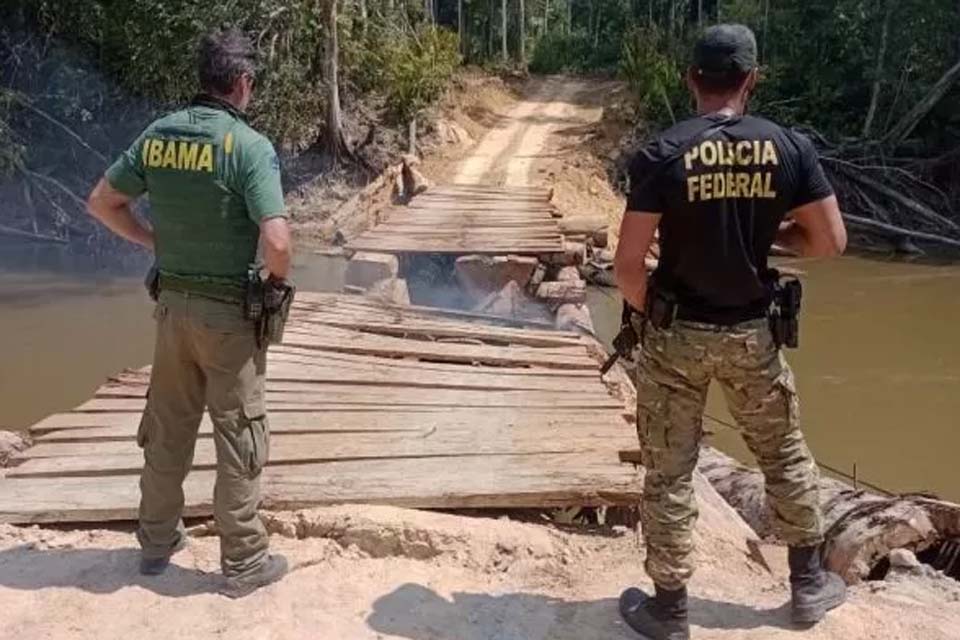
{"x": 152, "y": 282}
{"x": 277, "y": 299}
{"x": 625, "y": 341}
{"x": 662, "y": 307}
{"x": 787, "y": 294}
{"x": 253, "y": 298}
{"x": 267, "y": 304}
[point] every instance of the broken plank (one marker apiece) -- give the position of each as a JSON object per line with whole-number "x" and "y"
{"x": 480, "y": 482}
{"x": 331, "y": 339}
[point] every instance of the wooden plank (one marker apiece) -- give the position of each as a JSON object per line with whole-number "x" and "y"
{"x": 441, "y": 439}
{"x": 479, "y": 482}
{"x": 432, "y": 329}
{"x": 308, "y": 299}
{"x": 309, "y": 393}
{"x": 302, "y": 402}
{"x": 98, "y": 459}
{"x": 58, "y": 426}
{"x": 332, "y": 339}
{"x": 283, "y": 376}
{"x": 125, "y": 424}
{"x": 454, "y": 249}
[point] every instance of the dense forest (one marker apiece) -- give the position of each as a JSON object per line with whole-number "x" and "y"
{"x": 873, "y": 82}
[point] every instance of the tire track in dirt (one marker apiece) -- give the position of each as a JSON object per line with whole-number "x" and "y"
{"x": 506, "y": 154}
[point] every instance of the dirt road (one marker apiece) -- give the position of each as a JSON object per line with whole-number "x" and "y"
{"x": 374, "y": 573}
{"x": 523, "y": 137}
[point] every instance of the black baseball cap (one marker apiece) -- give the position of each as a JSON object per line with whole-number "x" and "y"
{"x": 726, "y": 49}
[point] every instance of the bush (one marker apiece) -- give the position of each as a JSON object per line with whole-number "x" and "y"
{"x": 409, "y": 67}
{"x": 653, "y": 75}
{"x": 559, "y": 52}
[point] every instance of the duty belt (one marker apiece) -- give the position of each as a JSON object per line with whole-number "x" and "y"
{"x": 221, "y": 291}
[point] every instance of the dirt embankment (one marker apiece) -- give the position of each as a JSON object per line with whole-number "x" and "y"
{"x": 365, "y": 573}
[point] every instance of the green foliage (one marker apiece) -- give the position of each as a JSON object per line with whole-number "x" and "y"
{"x": 409, "y": 66}
{"x": 653, "y": 74}
{"x": 149, "y": 46}
{"x": 418, "y": 69}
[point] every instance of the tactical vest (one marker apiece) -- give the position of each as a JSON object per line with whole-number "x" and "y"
{"x": 195, "y": 164}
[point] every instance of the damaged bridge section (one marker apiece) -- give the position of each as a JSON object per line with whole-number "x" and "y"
{"x": 370, "y": 403}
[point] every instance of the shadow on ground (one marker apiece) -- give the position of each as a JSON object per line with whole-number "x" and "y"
{"x": 100, "y": 571}
{"x": 418, "y": 613}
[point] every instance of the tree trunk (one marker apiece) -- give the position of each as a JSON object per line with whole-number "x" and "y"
{"x": 460, "y": 33}
{"x": 412, "y": 136}
{"x": 523, "y": 35}
{"x": 700, "y": 13}
{"x": 428, "y": 11}
{"x": 491, "y": 12}
{"x": 336, "y": 141}
{"x": 503, "y": 30}
{"x": 861, "y": 527}
{"x": 363, "y": 17}
{"x": 878, "y": 70}
{"x": 766, "y": 30}
{"x": 546, "y": 17}
{"x": 569, "y": 25}
{"x": 910, "y": 121}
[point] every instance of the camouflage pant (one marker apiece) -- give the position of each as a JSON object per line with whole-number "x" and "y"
{"x": 673, "y": 373}
{"x": 206, "y": 356}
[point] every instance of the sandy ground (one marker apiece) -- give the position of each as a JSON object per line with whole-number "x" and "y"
{"x": 378, "y": 573}
{"x": 364, "y": 572}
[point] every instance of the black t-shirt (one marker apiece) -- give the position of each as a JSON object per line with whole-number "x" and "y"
{"x": 722, "y": 202}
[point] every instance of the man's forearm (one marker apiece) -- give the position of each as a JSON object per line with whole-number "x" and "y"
{"x": 278, "y": 263}
{"x": 122, "y": 222}
{"x": 632, "y": 282}
{"x": 791, "y": 236}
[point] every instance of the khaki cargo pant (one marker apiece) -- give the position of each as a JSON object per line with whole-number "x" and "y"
{"x": 674, "y": 371}
{"x": 206, "y": 356}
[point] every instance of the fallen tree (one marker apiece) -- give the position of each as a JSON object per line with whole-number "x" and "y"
{"x": 861, "y": 527}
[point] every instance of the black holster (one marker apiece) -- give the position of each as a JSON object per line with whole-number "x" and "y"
{"x": 267, "y": 304}
{"x": 253, "y": 298}
{"x": 662, "y": 306}
{"x": 152, "y": 282}
{"x": 277, "y": 300}
{"x": 786, "y": 296}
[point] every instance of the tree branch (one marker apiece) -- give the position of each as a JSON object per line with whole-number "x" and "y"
{"x": 909, "y": 122}
{"x": 70, "y": 132}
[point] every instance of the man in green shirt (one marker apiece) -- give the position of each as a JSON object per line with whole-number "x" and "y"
{"x": 215, "y": 195}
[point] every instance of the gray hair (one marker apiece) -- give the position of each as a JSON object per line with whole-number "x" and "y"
{"x": 223, "y": 56}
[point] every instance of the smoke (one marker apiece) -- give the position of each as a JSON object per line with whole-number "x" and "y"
{"x": 70, "y": 121}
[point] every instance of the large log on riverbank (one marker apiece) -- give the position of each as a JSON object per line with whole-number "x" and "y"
{"x": 861, "y": 527}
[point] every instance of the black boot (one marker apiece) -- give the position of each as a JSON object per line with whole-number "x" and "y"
{"x": 814, "y": 590}
{"x": 663, "y": 617}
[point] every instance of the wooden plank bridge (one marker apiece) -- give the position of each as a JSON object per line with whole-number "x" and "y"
{"x": 461, "y": 219}
{"x": 369, "y": 403}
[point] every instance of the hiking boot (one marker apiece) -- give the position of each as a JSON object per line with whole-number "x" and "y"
{"x": 663, "y": 617}
{"x": 157, "y": 565}
{"x": 272, "y": 569}
{"x": 814, "y": 590}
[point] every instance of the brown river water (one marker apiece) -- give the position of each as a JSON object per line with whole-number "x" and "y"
{"x": 878, "y": 371}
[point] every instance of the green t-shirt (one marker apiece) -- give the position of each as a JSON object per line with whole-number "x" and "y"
{"x": 211, "y": 180}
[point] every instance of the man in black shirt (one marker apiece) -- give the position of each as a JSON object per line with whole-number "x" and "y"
{"x": 721, "y": 188}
